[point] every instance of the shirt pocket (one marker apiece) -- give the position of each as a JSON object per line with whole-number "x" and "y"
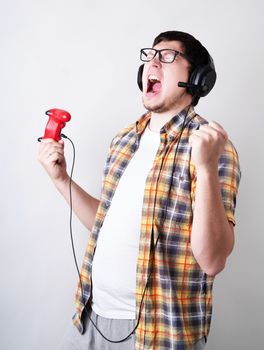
{"x": 176, "y": 205}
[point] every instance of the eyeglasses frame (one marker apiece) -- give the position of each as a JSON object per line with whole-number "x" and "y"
{"x": 176, "y": 53}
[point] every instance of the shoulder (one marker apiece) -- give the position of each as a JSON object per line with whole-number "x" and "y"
{"x": 121, "y": 134}
{"x": 129, "y": 131}
{"x": 197, "y": 121}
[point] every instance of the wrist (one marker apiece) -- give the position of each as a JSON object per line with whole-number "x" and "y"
{"x": 62, "y": 182}
{"x": 207, "y": 170}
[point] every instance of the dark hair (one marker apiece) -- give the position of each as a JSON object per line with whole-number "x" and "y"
{"x": 191, "y": 47}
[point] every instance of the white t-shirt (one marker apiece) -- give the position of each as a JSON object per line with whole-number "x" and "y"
{"x": 115, "y": 259}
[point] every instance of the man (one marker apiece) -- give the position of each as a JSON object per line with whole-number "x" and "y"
{"x": 163, "y": 227}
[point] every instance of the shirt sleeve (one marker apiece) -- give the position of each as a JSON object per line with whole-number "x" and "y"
{"x": 229, "y": 175}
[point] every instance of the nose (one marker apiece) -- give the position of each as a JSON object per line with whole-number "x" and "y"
{"x": 155, "y": 61}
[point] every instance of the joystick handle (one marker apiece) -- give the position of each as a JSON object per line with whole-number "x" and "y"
{"x": 57, "y": 121}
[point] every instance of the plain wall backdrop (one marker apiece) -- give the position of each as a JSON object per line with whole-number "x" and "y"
{"x": 83, "y": 56}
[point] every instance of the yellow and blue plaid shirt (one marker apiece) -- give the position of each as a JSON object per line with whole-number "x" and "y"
{"x": 177, "y": 304}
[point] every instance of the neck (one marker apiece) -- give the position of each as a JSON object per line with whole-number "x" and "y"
{"x": 159, "y": 119}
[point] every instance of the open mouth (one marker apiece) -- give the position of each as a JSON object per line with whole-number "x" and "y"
{"x": 154, "y": 84}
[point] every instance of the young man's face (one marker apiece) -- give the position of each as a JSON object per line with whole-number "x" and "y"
{"x": 165, "y": 95}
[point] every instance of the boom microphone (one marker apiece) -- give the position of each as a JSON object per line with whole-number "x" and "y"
{"x": 192, "y": 86}
{"x": 187, "y": 85}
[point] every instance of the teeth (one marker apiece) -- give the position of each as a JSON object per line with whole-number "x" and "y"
{"x": 153, "y": 78}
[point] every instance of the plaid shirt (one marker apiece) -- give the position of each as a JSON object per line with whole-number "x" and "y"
{"x": 177, "y": 304}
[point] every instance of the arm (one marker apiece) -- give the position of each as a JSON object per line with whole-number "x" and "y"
{"x": 212, "y": 234}
{"x": 51, "y": 157}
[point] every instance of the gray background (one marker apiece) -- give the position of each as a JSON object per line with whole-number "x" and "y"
{"x": 83, "y": 56}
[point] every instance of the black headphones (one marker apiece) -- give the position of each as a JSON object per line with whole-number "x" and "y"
{"x": 201, "y": 80}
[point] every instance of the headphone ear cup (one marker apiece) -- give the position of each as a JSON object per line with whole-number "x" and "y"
{"x": 139, "y": 77}
{"x": 204, "y": 78}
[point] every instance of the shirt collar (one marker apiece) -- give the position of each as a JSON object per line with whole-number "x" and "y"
{"x": 142, "y": 123}
{"x": 175, "y": 124}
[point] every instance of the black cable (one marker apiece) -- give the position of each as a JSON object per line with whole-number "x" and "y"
{"x": 76, "y": 264}
{"x": 70, "y": 192}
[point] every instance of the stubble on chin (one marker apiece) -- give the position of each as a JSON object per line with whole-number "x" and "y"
{"x": 158, "y": 107}
{"x": 153, "y": 108}
{"x": 166, "y": 105}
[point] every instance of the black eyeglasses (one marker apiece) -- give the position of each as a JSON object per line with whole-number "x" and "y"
{"x": 165, "y": 55}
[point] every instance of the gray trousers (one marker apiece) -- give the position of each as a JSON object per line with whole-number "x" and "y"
{"x": 111, "y": 328}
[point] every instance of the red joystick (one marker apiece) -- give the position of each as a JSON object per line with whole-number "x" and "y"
{"x": 57, "y": 121}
